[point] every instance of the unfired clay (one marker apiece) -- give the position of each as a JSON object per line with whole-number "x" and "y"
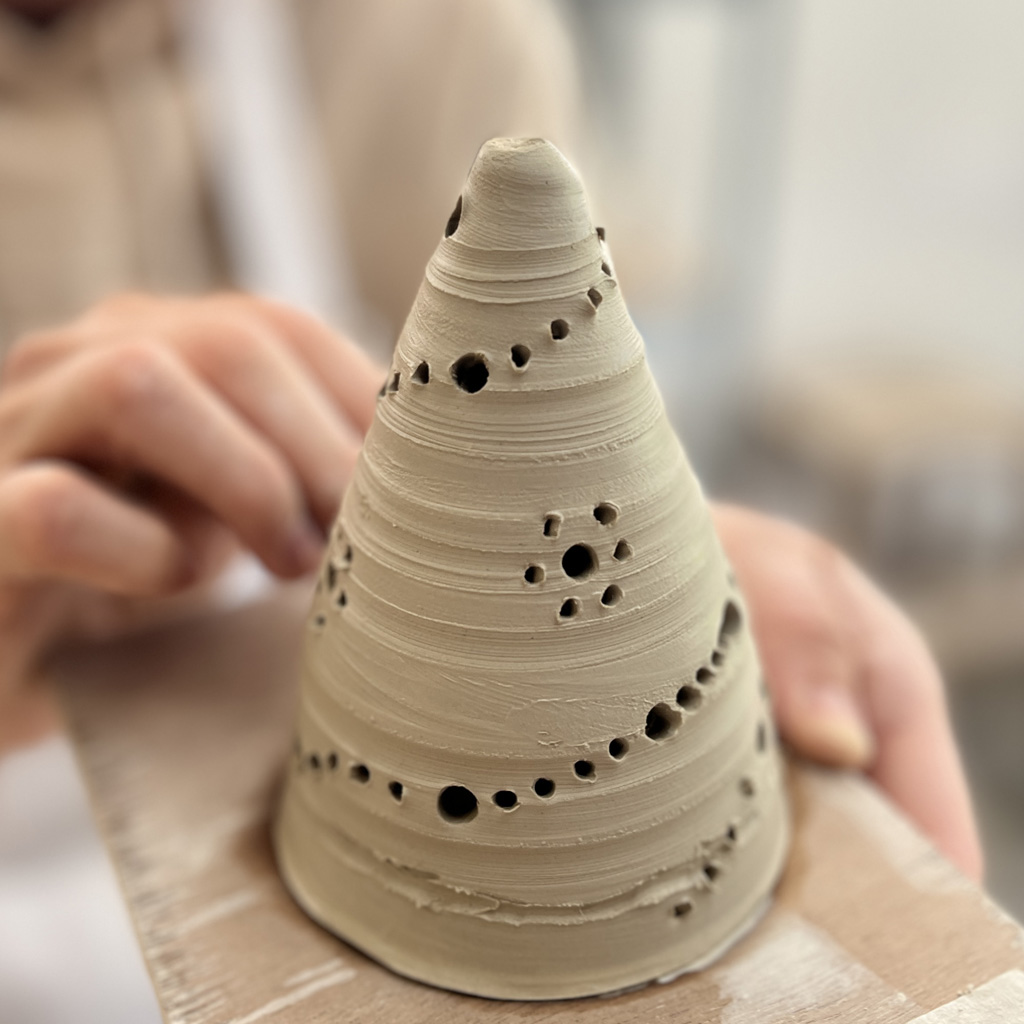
{"x": 534, "y": 757}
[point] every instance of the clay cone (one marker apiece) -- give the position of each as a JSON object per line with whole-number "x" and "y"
{"x": 534, "y": 757}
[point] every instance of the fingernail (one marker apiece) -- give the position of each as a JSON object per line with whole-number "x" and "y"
{"x": 305, "y": 548}
{"x": 841, "y": 728}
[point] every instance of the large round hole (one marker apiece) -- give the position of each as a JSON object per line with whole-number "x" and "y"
{"x": 622, "y": 551}
{"x": 606, "y": 514}
{"x": 689, "y": 698}
{"x": 704, "y": 676}
{"x": 359, "y": 773}
{"x": 612, "y": 595}
{"x": 731, "y": 622}
{"x": 534, "y": 574}
{"x": 470, "y": 372}
{"x": 520, "y": 355}
{"x": 543, "y": 787}
{"x": 559, "y": 329}
{"x": 618, "y": 748}
{"x": 457, "y": 804}
{"x": 584, "y": 769}
{"x": 453, "y": 221}
{"x": 506, "y": 799}
{"x": 579, "y": 561}
{"x": 662, "y": 722}
{"x": 570, "y": 608}
{"x": 421, "y": 375}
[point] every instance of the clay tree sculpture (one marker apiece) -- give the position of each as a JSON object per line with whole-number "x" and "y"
{"x": 534, "y": 758}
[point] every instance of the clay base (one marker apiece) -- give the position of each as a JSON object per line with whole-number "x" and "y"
{"x": 498, "y": 960}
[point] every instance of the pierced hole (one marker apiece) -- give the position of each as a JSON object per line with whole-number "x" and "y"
{"x": 552, "y": 524}
{"x": 704, "y": 676}
{"x": 606, "y": 514}
{"x": 396, "y": 379}
{"x": 421, "y": 375}
{"x": 730, "y": 834}
{"x": 534, "y": 574}
{"x": 682, "y": 909}
{"x": 314, "y": 762}
{"x": 453, "y": 221}
{"x": 623, "y": 550}
{"x": 584, "y": 769}
{"x": 711, "y": 871}
{"x": 383, "y": 390}
{"x": 717, "y": 658}
{"x": 579, "y": 561}
{"x": 662, "y": 722}
{"x": 320, "y": 621}
{"x": 520, "y": 356}
{"x": 747, "y": 786}
{"x": 559, "y": 330}
{"x": 332, "y": 761}
{"x": 600, "y": 233}
{"x": 346, "y": 558}
{"x": 731, "y": 621}
{"x": 596, "y": 298}
{"x": 330, "y": 576}
{"x": 359, "y": 773}
{"x": 611, "y": 596}
{"x": 456, "y": 804}
{"x": 470, "y": 372}
{"x": 762, "y": 737}
{"x": 342, "y": 599}
{"x": 605, "y": 269}
{"x": 618, "y": 748}
{"x": 397, "y": 790}
{"x": 543, "y": 787}
{"x": 506, "y": 799}
{"x": 570, "y": 608}
{"x": 689, "y": 698}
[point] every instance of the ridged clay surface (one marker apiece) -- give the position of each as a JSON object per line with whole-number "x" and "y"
{"x": 534, "y": 757}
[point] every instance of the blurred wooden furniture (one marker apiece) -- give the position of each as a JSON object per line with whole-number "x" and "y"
{"x": 181, "y": 735}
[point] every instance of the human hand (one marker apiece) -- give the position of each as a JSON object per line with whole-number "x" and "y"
{"x": 852, "y": 681}
{"x": 141, "y": 443}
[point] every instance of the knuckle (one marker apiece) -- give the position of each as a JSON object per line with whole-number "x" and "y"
{"x": 134, "y": 377}
{"x": 39, "y": 514}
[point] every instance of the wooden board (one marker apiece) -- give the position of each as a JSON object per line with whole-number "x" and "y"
{"x": 182, "y": 734}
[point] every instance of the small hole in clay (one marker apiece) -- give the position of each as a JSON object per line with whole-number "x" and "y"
{"x": 559, "y": 329}
{"x": 520, "y": 356}
{"x": 717, "y": 658}
{"x": 682, "y": 909}
{"x": 606, "y": 514}
{"x": 552, "y": 524}
{"x": 596, "y": 298}
{"x": 731, "y": 621}
{"x": 347, "y": 556}
{"x": 711, "y": 871}
{"x": 506, "y": 799}
{"x": 359, "y": 773}
{"x": 730, "y": 834}
{"x": 662, "y": 722}
{"x": 534, "y": 574}
{"x": 605, "y": 269}
{"x": 579, "y": 561}
{"x": 457, "y": 804}
{"x": 762, "y": 737}
{"x": 470, "y": 372}
{"x": 622, "y": 551}
{"x": 600, "y": 233}
{"x": 689, "y": 698}
{"x": 314, "y": 762}
{"x": 618, "y": 748}
{"x": 584, "y": 769}
{"x": 746, "y": 786}
{"x": 330, "y": 576}
{"x": 383, "y": 390}
{"x": 342, "y": 599}
{"x": 543, "y": 787}
{"x": 396, "y": 789}
{"x": 332, "y": 761}
{"x": 570, "y": 608}
{"x": 396, "y": 379}
{"x": 421, "y": 375}
{"x": 319, "y": 621}
{"x": 612, "y": 595}
{"x": 704, "y": 676}
{"x": 453, "y": 221}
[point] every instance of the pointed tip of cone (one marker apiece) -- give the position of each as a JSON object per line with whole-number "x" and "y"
{"x": 521, "y": 194}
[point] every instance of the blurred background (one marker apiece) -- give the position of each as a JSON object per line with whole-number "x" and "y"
{"x": 816, "y": 210}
